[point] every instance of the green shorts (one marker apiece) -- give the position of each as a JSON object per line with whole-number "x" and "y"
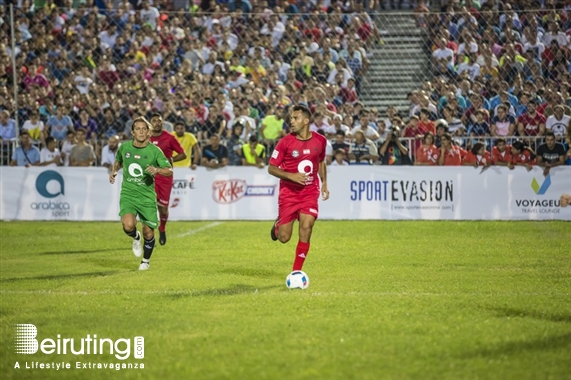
{"x": 146, "y": 211}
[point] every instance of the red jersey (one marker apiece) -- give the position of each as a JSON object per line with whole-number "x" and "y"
{"x": 452, "y": 157}
{"x": 427, "y": 155}
{"x": 168, "y": 144}
{"x": 531, "y": 124}
{"x": 484, "y": 160}
{"x": 524, "y": 157}
{"x": 505, "y": 156}
{"x": 299, "y": 156}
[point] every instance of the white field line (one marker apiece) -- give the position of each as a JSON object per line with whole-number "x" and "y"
{"x": 195, "y": 231}
{"x": 254, "y": 290}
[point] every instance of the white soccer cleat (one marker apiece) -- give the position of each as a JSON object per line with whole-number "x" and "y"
{"x": 137, "y": 248}
{"x": 144, "y": 266}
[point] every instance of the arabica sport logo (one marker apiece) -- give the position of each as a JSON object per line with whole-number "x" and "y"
{"x": 25, "y": 342}
{"x": 50, "y": 184}
{"x": 45, "y": 179}
{"x": 541, "y": 189}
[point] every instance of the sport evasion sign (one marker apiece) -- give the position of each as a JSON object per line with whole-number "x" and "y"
{"x": 248, "y": 193}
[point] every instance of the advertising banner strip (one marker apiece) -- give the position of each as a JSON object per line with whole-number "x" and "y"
{"x": 247, "y": 193}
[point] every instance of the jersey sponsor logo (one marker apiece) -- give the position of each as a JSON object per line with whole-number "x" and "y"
{"x": 127, "y": 155}
{"x": 225, "y": 192}
{"x": 295, "y": 154}
{"x": 275, "y": 154}
{"x": 137, "y": 157}
{"x": 306, "y": 151}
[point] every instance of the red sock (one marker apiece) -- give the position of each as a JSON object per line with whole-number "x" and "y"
{"x": 163, "y": 223}
{"x": 300, "y": 254}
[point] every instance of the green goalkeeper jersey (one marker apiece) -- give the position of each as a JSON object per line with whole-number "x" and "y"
{"x": 137, "y": 183}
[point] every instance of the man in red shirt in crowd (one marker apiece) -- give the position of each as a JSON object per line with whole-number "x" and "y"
{"x": 163, "y": 185}
{"x": 450, "y": 155}
{"x": 501, "y": 153}
{"x": 531, "y": 123}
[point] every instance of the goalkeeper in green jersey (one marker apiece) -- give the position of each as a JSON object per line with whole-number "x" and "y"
{"x": 140, "y": 161}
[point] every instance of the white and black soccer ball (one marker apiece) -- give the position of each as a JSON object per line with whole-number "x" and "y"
{"x": 297, "y": 280}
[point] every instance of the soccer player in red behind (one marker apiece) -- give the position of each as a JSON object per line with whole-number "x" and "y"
{"x": 163, "y": 185}
{"x": 297, "y": 160}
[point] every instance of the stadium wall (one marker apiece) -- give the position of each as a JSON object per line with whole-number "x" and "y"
{"x": 357, "y": 192}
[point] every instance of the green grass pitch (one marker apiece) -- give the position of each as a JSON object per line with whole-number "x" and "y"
{"x": 387, "y": 300}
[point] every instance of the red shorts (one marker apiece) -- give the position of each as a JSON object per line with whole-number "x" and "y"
{"x": 289, "y": 210}
{"x": 163, "y": 188}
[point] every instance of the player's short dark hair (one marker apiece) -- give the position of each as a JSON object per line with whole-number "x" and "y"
{"x": 253, "y": 138}
{"x": 49, "y": 139}
{"x": 141, "y": 119}
{"x": 500, "y": 140}
{"x": 303, "y": 109}
{"x": 340, "y": 133}
{"x": 156, "y": 114}
{"x": 518, "y": 145}
{"x": 179, "y": 123}
{"x": 550, "y": 133}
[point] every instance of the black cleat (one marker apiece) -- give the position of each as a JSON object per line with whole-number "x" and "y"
{"x": 162, "y": 237}
{"x": 273, "y": 231}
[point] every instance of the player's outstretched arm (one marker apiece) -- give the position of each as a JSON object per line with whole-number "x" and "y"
{"x": 167, "y": 172}
{"x": 323, "y": 175}
{"x": 299, "y": 178}
{"x": 116, "y": 166}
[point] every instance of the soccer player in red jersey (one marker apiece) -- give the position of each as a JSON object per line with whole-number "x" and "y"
{"x": 297, "y": 160}
{"x": 163, "y": 185}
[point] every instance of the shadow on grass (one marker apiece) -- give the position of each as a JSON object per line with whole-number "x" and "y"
{"x": 80, "y": 252}
{"x": 229, "y": 291}
{"x": 510, "y": 348}
{"x": 514, "y": 313}
{"x": 252, "y": 272}
{"x": 59, "y": 276}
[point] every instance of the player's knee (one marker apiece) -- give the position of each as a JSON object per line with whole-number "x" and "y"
{"x": 284, "y": 237}
{"x": 305, "y": 231}
{"x": 129, "y": 226}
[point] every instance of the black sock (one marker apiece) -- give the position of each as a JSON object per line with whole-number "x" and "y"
{"x": 133, "y": 233}
{"x": 148, "y": 248}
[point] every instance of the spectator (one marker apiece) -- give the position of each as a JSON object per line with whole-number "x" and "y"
{"x": 234, "y": 144}
{"x": 558, "y": 122}
{"x": 215, "y": 124}
{"x": 272, "y": 126}
{"x": 450, "y": 154}
{"x": 478, "y": 156}
{"x": 108, "y": 124}
{"x": 8, "y": 128}
{"x": 521, "y": 156}
{"x": 501, "y": 153}
{"x": 427, "y": 154}
{"x": 190, "y": 145}
{"x": 26, "y": 154}
{"x": 67, "y": 146}
{"x": 550, "y": 154}
{"x": 339, "y": 158}
{"x": 340, "y": 142}
{"x": 363, "y": 150}
{"x": 88, "y": 124}
{"x": 214, "y": 155}
{"x": 35, "y": 127}
{"x": 253, "y": 153}
{"x": 531, "y": 123}
{"x": 394, "y": 151}
{"x": 365, "y": 125}
{"x": 59, "y": 124}
{"x": 109, "y": 152}
{"x": 502, "y": 124}
{"x": 50, "y": 155}
{"x": 82, "y": 154}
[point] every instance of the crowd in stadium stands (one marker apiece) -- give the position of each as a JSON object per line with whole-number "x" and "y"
{"x": 223, "y": 74}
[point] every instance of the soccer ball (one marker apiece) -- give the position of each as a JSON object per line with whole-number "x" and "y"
{"x": 297, "y": 280}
